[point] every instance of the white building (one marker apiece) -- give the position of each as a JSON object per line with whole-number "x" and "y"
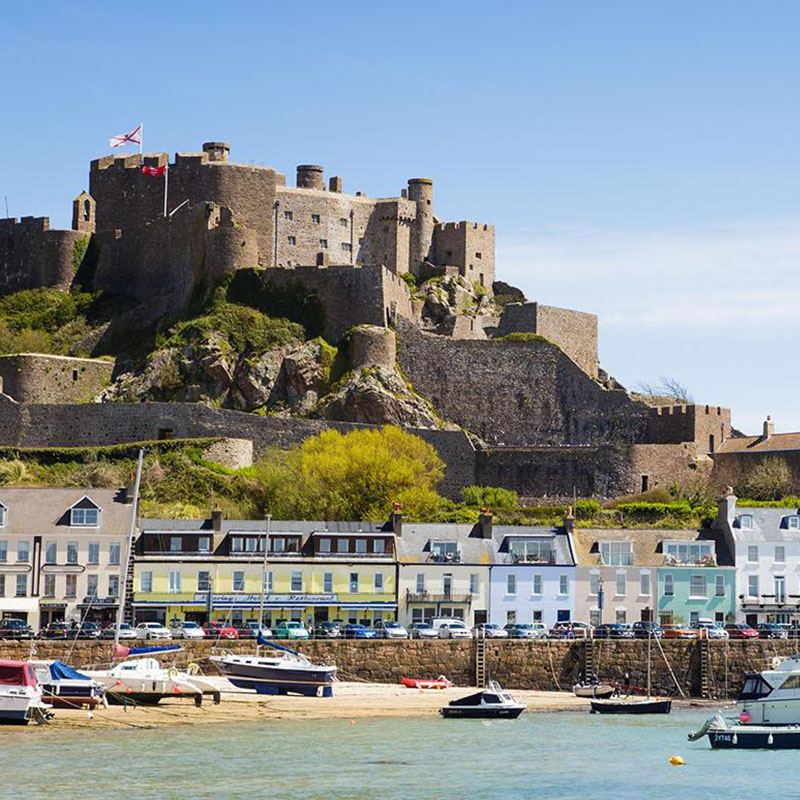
{"x": 766, "y": 544}
{"x": 533, "y": 577}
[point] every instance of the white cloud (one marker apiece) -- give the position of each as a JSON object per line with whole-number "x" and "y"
{"x": 739, "y": 275}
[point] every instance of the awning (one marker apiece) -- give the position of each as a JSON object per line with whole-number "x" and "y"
{"x": 369, "y": 606}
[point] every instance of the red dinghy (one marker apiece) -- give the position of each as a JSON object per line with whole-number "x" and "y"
{"x": 423, "y": 683}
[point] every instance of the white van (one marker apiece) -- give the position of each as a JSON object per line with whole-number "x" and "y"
{"x": 451, "y": 628}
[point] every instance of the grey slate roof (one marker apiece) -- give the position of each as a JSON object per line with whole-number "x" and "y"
{"x": 44, "y": 511}
{"x": 768, "y": 525}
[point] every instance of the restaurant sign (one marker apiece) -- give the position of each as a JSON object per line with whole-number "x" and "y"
{"x": 269, "y": 599}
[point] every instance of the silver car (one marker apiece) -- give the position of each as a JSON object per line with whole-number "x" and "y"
{"x": 422, "y": 630}
{"x": 186, "y": 630}
{"x": 390, "y": 630}
{"x": 490, "y": 630}
{"x": 152, "y": 630}
{"x": 125, "y": 631}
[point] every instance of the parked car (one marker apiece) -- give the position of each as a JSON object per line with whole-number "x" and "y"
{"x": 522, "y": 630}
{"x": 572, "y": 630}
{"x": 390, "y": 629}
{"x": 217, "y": 629}
{"x": 265, "y": 632}
{"x": 771, "y": 630}
{"x": 186, "y": 630}
{"x": 13, "y": 628}
{"x": 741, "y": 630}
{"x": 246, "y": 632}
{"x": 613, "y": 630}
{"x": 355, "y": 630}
{"x": 422, "y": 630}
{"x": 291, "y": 629}
{"x": 709, "y": 629}
{"x": 87, "y": 630}
{"x": 645, "y": 629}
{"x": 152, "y": 630}
{"x": 490, "y": 630}
{"x": 453, "y": 629}
{"x": 125, "y": 631}
{"x": 677, "y": 631}
{"x": 327, "y": 630}
{"x": 57, "y": 630}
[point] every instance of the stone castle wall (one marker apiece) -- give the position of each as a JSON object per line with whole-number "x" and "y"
{"x": 99, "y": 424}
{"x": 690, "y": 423}
{"x": 34, "y": 256}
{"x": 538, "y": 665}
{"x": 516, "y": 393}
{"x": 467, "y": 245}
{"x": 35, "y": 378}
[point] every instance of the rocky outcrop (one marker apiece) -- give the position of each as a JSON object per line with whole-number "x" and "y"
{"x": 378, "y": 396}
{"x": 445, "y": 299}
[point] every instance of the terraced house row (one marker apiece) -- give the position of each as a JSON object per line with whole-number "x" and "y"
{"x": 63, "y": 554}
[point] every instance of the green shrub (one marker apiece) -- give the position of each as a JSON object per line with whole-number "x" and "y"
{"x": 523, "y": 337}
{"x": 492, "y": 497}
{"x": 790, "y": 501}
{"x": 410, "y": 279}
{"x": 652, "y": 513}
{"x": 587, "y": 509}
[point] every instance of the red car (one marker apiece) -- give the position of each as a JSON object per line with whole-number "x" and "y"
{"x": 740, "y": 630}
{"x": 220, "y": 630}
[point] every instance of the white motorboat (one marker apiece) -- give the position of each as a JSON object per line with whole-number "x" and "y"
{"x": 65, "y": 687}
{"x": 769, "y": 715}
{"x": 492, "y": 703}
{"x": 144, "y": 680}
{"x": 20, "y": 695}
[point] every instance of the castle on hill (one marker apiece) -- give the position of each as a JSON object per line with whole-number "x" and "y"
{"x": 535, "y": 411}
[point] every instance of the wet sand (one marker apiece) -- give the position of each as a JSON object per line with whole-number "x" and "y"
{"x": 350, "y": 701}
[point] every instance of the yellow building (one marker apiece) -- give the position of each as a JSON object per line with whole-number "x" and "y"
{"x": 212, "y": 570}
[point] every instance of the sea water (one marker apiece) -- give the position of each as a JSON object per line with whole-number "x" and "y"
{"x": 566, "y": 755}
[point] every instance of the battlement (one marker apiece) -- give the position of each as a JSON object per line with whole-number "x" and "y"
{"x": 689, "y": 408}
{"x": 464, "y": 225}
{"x": 28, "y": 224}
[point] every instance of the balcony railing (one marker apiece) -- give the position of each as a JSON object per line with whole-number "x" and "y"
{"x": 531, "y": 558}
{"x": 445, "y": 558}
{"x": 700, "y": 561}
{"x": 429, "y": 597}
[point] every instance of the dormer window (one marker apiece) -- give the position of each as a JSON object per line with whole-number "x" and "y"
{"x": 84, "y": 514}
{"x": 746, "y": 522}
{"x": 792, "y": 523}
{"x": 539, "y": 551}
{"x": 444, "y": 551}
{"x": 699, "y": 553}
{"x": 616, "y": 554}
{"x": 2, "y": 515}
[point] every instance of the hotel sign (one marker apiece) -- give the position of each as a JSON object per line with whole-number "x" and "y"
{"x": 269, "y": 599}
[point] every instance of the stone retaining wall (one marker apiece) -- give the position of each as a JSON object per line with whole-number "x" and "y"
{"x": 541, "y": 665}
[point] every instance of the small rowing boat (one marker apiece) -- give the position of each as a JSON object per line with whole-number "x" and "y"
{"x": 424, "y": 683}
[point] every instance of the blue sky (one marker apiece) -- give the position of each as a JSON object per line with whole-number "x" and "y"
{"x": 639, "y": 160}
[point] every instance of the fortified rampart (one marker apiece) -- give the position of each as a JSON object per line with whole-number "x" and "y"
{"x": 707, "y": 426}
{"x": 34, "y": 256}
{"x": 98, "y": 424}
{"x": 36, "y": 378}
{"x": 469, "y": 246}
{"x": 548, "y": 665}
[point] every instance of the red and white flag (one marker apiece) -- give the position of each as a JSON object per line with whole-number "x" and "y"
{"x": 155, "y": 172}
{"x": 134, "y": 137}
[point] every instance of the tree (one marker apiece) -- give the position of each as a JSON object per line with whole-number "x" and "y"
{"x": 667, "y": 387}
{"x": 770, "y": 479}
{"x": 357, "y": 475}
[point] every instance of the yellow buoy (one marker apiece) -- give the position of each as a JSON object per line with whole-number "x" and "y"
{"x": 676, "y": 761}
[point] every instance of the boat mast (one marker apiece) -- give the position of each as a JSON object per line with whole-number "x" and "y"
{"x": 128, "y": 553}
{"x": 263, "y": 583}
{"x": 649, "y": 646}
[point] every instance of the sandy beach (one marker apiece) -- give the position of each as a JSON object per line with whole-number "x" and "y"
{"x": 350, "y": 701}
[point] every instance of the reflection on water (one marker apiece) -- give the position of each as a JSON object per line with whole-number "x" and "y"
{"x": 537, "y": 756}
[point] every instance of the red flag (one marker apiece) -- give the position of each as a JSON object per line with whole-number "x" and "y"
{"x": 120, "y": 651}
{"x": 155, "y": 172}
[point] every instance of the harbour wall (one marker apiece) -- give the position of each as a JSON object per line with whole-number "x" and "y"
{"x": 540, "y": 665}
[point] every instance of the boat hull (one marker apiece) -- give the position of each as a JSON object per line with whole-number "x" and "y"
{"x": 633, "y": 707}
{"x": 743, "y": 737}
{"x": 599, "y": 692}
{"x": 20, "y": 709}
{"x": 264, "y": 678}
{"x": 455, "y": 712}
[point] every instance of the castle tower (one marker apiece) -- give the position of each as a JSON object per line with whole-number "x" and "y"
{"x": 83, "y": 210}
{"x": 420, "y": 192}
{"x": 217, "y": 151}
{"x": 309, "y": 176}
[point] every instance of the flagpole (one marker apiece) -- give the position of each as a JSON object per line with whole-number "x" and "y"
{"x": 166, "y": 184}
{"x": 141, "y": 137}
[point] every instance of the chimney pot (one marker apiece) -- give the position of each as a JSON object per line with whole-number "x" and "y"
{"x": 769, "y": 427}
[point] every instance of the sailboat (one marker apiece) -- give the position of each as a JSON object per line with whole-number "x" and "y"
{"x": 139, "y": 677}
{"x": 635, "y": 705}
{"x": 283, "y": 672}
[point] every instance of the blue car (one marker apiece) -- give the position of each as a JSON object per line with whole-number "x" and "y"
{"x": 357, "y": 631}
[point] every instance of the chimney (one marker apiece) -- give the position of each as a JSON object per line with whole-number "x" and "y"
{"x": 397, "y": 519}
{"x": 726, "y": 509}
{"x": 486, "y": 521}
{"x": 309, "y": 176}
{"x": 216, "y": 520}
{"x": 769, "y": 428}
{"x": 217, "y": 151}
{"x": 569, "y": 520}
{"x": 335, "y": 184}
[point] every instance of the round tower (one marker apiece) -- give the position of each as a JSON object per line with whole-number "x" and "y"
{"x": 309, "y": 176}
{"x": 371, "y": 346}
{"x": 420, "y": 192}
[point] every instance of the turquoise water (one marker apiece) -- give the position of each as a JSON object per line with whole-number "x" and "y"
{"x": 537, "y": 756}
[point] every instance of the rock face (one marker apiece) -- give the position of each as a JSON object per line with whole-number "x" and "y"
{"x": 445, "y": 299}
{"x": 291, "y": 377}
{"x": 377, "y": 396}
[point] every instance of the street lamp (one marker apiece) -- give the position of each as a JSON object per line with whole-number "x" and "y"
{"x": 600, "y": 598}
